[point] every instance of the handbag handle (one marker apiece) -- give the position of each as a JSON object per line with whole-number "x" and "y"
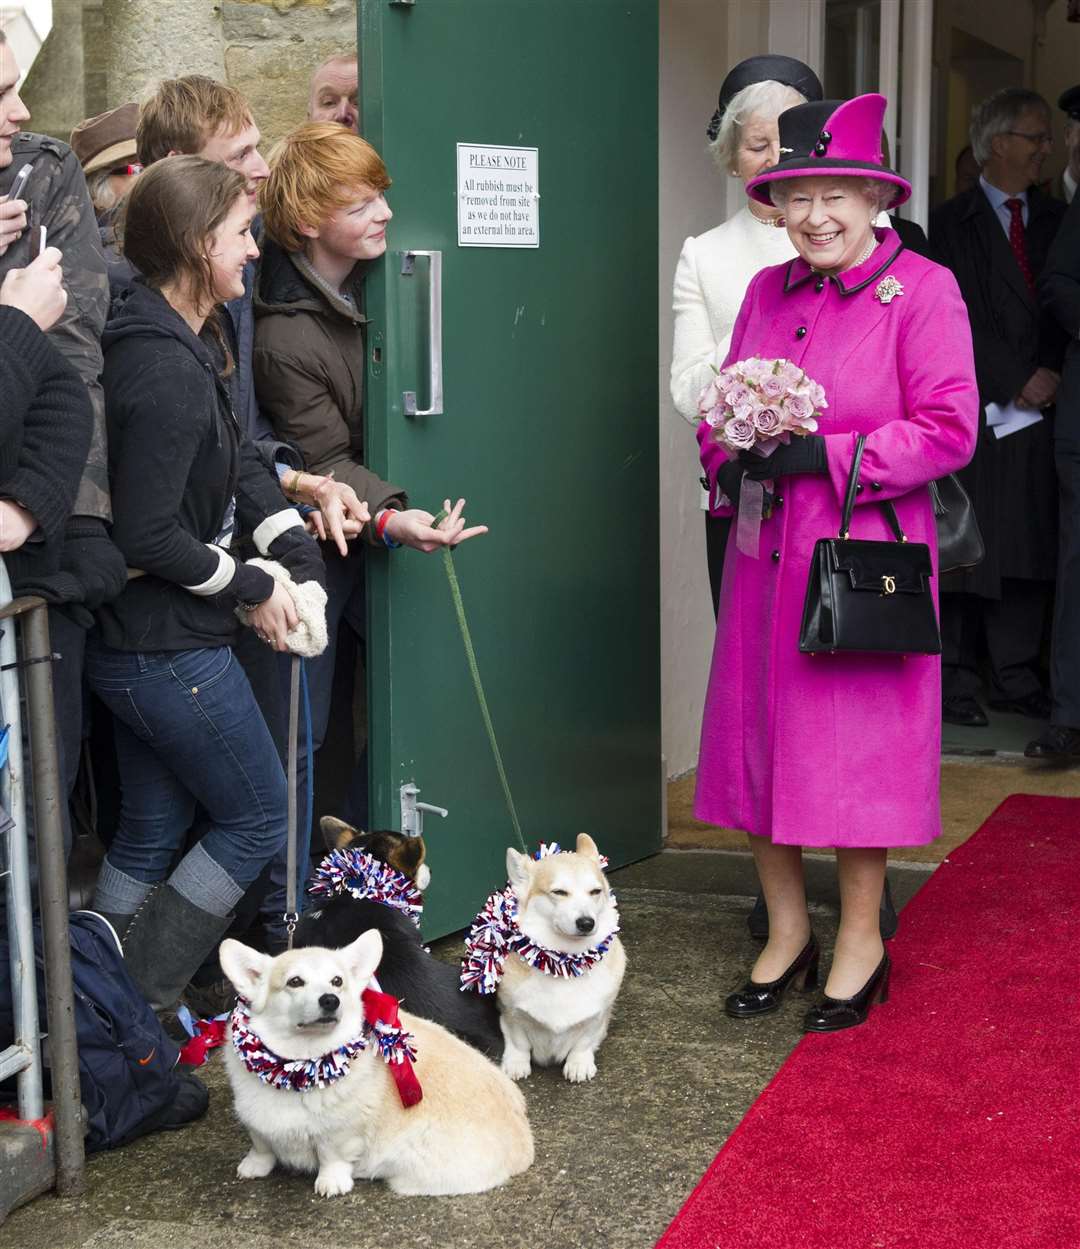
{"x": 852, "y": 491}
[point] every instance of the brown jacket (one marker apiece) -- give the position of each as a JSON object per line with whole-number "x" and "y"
{"x": 309, "y": 372}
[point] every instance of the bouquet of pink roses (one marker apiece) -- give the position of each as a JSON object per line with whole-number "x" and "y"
{"x": 754, "y": 405}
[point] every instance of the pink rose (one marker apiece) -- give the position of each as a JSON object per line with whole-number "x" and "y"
{"x": 739, "y": 396}
{"x": 789, "y": 374}
{"x": 798, "y": 407}
{"x": 716, "y": 415}
{"x": 768, "y": 421}
{"x": 710, "y": 396}
{"x": 772, "y": 387}
{"x": 739, "y": 432}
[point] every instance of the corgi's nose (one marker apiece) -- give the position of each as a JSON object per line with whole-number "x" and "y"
{"x": 585, "y": 923}
{"x": 329, "y": 1002}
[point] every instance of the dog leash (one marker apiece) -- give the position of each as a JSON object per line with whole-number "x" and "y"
{"x": 470, "y": 655}
{"x": 291, "y": 915}
{"x": 297, "y": 683}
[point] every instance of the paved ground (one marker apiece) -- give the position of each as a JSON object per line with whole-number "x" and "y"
{"x": 614, "y": 1159}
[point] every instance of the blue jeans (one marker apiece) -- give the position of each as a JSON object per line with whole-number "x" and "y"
{"x": 188, "y": 730}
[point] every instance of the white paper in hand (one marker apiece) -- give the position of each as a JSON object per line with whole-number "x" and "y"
{"x": 1006, "y": 419}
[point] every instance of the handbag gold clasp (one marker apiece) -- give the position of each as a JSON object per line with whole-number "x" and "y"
{"x": 889, "y": 584}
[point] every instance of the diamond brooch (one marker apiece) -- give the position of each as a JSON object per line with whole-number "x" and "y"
{"x": 888, "y": 289}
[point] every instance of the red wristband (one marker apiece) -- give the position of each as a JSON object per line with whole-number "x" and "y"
{"x": 381, "y": 521}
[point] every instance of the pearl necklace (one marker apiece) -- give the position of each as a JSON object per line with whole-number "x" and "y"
{"x": 772, "y": 222}
{"x": 868, "y": 252}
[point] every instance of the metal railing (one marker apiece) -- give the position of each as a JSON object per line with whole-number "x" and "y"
{"x": 29, "y": 618}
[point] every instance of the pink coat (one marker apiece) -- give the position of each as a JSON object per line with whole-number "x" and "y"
{"x": 838, "y": 750}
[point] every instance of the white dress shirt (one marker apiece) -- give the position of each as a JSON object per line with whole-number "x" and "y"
{"x": 997, "y": 203}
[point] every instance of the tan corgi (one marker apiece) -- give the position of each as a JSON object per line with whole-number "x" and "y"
{"x": 343, "y": 1116}
{"x": 564, "y": 907}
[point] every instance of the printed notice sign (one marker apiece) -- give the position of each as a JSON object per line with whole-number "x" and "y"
{"x": 498, "y": 196}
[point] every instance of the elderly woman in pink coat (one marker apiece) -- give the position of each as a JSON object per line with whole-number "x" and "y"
{"x": 833, "y": 750}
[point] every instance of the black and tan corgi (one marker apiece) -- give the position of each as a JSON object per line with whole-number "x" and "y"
{"x": 425, "y": 985}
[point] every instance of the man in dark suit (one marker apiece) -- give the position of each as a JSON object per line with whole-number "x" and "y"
{"x": 1063, "y": 187}
{"x": 995, "y": 239}
{"x": 1059, "y": 288}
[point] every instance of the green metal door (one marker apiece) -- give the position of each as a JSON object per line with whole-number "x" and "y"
{"x": 547, "y": 427}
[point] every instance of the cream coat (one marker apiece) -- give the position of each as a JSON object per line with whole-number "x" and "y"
{"x": 711, "y": 278}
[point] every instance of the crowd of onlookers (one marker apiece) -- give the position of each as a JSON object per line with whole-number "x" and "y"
{"x": 182, "y": 478}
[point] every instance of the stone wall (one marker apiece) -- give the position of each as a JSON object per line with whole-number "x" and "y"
{"x": 103, "y": 52}
{"x": 271, "y": 49}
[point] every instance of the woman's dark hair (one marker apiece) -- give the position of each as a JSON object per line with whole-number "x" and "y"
{"x": 166, "y": 222}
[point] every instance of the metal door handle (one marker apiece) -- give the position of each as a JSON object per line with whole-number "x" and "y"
{"x": 435, "y": 381}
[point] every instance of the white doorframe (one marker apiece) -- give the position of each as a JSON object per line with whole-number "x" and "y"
{"x": 916, "y": 105}
{"x": 797, "y": 28}
{"x": 889, "y": 66}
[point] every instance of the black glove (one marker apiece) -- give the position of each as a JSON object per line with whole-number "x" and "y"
{"x": 729, "y": 481}
{"x": 92, "y": 569}
{"x": 298, "y": 553}
{"x": 800, "y": 455}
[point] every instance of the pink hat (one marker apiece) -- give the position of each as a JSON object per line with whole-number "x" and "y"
{"x": 831, "y": 139}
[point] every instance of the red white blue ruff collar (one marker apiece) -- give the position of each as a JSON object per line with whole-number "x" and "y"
{"x": 381, "y": 1027}
{"x": 365, "y": 877}
{"x": 495, "y": 934}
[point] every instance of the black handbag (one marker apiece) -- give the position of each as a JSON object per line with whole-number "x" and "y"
{"x": 869, "y": 596}
{"x": 960, "y": 544}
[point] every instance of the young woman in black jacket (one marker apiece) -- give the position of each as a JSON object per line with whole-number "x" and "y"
{"x": 183, "y": 483}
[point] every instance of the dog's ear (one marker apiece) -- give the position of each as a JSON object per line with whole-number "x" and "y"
{"x": 363, "y": 956}
{"x": 406, "y": 854}
{"x": 248, "y": 971}
{"x": 586, "y": 847}
{"x": 519, "y": 869}
{"x": 336, "y": 833}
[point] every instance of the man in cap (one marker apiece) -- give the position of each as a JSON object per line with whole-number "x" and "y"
{"x": 91, "y": 570}
{"x": 1063, "y": 187}
{"x": 105, "y": 146}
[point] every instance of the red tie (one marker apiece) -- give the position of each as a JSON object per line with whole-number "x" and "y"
{"x": 1016, "y": 240}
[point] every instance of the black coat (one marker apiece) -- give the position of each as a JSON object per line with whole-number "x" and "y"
{"x": 1059, "y": 292}
{"x": 45, "y": 426}
{"x": 1011, "y": 481}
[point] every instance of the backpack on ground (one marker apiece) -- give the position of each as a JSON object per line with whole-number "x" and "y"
{"x": 127, "y": 1065}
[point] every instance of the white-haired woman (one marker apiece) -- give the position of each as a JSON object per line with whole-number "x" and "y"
{"x": 834, "y": 750}
{"x": 715, "y": 268}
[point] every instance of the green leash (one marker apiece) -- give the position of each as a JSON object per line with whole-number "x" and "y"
{"x": 470, "y": 654}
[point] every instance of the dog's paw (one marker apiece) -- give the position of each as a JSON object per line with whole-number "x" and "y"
{"x": 516, "y": 1066}
{"x": 255, "y": 1165}
{"x": 579, "y": 1067}
{"x": 335, "y": 1180}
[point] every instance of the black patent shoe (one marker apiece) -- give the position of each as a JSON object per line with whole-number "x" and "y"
{"x": 832, "y": 1014}
{"x": 755, "y": 998}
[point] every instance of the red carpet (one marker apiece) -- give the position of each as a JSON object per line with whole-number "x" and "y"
{"x": 951, "y": 1118}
